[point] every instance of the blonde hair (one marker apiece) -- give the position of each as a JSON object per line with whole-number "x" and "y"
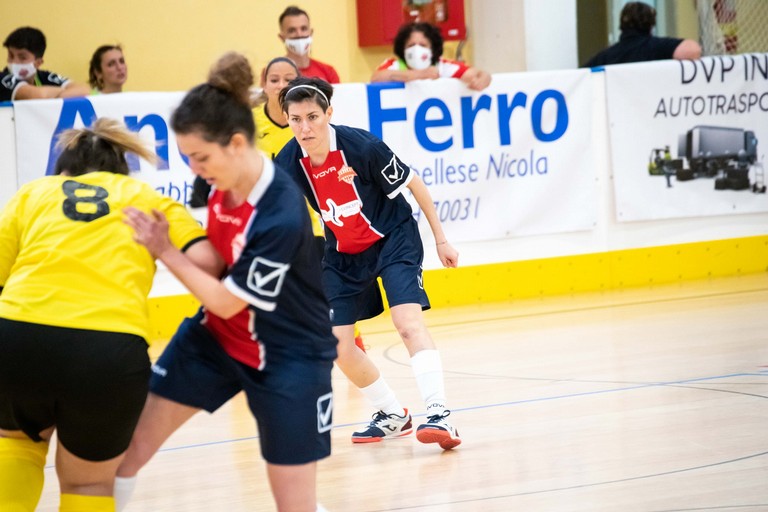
{"x": 102, "y": 147}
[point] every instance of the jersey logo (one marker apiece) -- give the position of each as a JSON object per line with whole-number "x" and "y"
{"x": 325, "y": 413}
{"x": 159, "y": 370}
{"x": 335, "y": 212}
{"x": 347, "y": 174}
{"x": 9, "y": 81}
{"x": 225, "y": 218}
{"x": 326, "y": 172}
{"x": 266, "y": 277}
{"x": 393, "y": 172}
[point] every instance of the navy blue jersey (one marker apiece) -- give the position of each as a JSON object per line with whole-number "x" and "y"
{"x": 357, "y": 191}
{"x": 278, "y": 273}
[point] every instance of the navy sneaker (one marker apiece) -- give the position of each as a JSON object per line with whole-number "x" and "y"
{"x": 384, "y": 426}
{"x": 438, "y": 430}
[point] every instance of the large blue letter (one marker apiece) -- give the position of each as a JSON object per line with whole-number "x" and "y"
{"x": 421, "y": 123}
{"x": 561, "y": 122}
{"x": 468, "y": 115}
{"x": 377, "y": 115}
{"x": 505, "y": 115}
{"x": 161, "y": 139}
{"x": 69, "y": 112}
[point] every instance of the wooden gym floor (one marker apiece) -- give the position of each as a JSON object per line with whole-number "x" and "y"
{"x": 651, "y": 400}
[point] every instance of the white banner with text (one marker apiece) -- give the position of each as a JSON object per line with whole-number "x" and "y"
{"x": 684, "y": 137}
{"x": 508, "y": 161}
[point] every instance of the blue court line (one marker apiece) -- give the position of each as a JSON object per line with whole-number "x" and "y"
{"x": 515, "y": 402}
{"x": 612, "y": 390}
{"x": 762, "y": 373}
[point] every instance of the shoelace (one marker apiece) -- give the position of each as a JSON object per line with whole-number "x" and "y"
{"x": 438, "y": 417}
{"x": 379, "y": 417}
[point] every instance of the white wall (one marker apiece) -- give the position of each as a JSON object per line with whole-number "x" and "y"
{"x": 551, "y": 41}
{"x": 523, "y": 35}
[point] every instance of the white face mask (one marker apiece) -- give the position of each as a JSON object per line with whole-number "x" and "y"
{"x": 418, "y": 57}
{"x": 299, "y": 46}
{"x": 23, "y": 71}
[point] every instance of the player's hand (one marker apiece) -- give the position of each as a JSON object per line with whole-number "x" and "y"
{"x": 449, "y": 256}
{"x": 151, "y": 232}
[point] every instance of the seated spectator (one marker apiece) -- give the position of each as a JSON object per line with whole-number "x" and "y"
{"x": 23, "y": 79}
{"x": 419, "y": 54}
{"x": 636, "y": 43}
{"x": 296, "y": 34}
{"x": 107, "y": 72}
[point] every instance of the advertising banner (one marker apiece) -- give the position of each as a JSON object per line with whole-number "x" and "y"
{"x": 508, "y": 161}
{"x": 686, "y": 136}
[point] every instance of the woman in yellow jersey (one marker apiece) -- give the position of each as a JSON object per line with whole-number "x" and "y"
{"x": 272, "y": 132}
{"x": 74, "y": 318}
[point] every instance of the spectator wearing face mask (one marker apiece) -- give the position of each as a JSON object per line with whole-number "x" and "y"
{"x": 23, "y": 79}
{"x": 418, "y": 51}
{"x": 296, "y": 33}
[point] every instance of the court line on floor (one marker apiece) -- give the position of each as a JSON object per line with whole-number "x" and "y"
{"x": 580, "y": 486}
{"x": 487, "y": 406}
{"x": 500, "y": 404}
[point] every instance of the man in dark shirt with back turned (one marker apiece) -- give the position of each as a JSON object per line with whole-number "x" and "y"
{"x": 636, "y": 43}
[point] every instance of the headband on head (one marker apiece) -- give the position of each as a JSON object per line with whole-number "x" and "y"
{"x": 283, "y": 59}
{"x": 306, "y": 86}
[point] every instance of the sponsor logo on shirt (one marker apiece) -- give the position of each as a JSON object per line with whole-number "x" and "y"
{"x": 323, "y": 174}
{"x": 335, "y": 212}
{"x": 347, "y": 174}
{"x": 225, "y": 218}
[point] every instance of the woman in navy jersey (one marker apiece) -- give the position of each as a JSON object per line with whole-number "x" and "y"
{"x": 264, "y": 326}
{"x": 356, "y": 183}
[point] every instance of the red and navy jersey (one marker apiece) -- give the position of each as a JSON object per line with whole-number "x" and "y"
{"x": 272, "y": 264}
{"x": 357, "y": 191}
{"x": 446, "y": 68}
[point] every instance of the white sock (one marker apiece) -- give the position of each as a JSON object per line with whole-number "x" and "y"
{"x": 124, "y": 487}
{"x": 428, "y": 370}
{"x": 321, "y": 508}
{"x": 382, "y": 397}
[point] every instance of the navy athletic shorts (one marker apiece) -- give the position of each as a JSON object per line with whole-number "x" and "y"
{"x": 349, "y": 280}
{"x": 291, "y": 400}
{"x": 90, "y": 385}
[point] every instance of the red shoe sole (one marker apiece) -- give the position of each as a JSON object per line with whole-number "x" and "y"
{"x": 441, "y": 437}
{"x": 360, "y": 440}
